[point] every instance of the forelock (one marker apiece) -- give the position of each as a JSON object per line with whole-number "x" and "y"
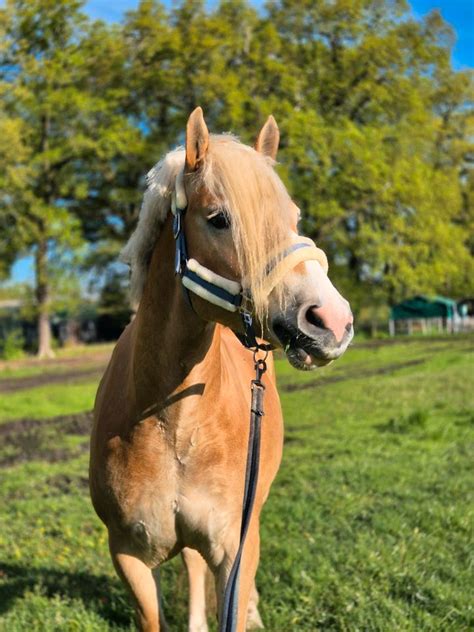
{"x": 243, "y": 181}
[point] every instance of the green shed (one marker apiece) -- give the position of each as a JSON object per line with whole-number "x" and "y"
{"x": 424, "y": 307}
{"x": 423, "y": 314}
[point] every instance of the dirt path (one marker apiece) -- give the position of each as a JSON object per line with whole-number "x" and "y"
{"x": 14, "y": 384}
{"x": 36, "y": 439}
{"x": 89, "y": 365}
{"x": 88, "y": 356}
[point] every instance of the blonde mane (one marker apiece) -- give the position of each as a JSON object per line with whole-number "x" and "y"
{"x": 245, "y": 184}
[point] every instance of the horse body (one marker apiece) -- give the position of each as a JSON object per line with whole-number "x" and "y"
{"x": 171, "y": 424}
{"x": 169, "y": 443}
{"x": 174, "y": 478}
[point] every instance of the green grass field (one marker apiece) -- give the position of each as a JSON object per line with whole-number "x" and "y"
{"x": 369, "y": 525}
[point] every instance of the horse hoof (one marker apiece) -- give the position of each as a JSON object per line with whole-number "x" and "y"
{"x": 254, "y": 620}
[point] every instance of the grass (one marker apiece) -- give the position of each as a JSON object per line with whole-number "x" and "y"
{"x": 47, "y": 401}
{"x": 368, "y": 526}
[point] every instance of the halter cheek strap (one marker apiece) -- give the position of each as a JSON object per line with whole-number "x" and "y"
{"x": 196, "y": 278}
{"x": 223, "y": 292}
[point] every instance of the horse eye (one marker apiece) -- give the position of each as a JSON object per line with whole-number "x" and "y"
{"x": 219, "y": 221}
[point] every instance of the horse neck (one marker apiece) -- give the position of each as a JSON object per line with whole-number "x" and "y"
{"x": 173, "y": 346}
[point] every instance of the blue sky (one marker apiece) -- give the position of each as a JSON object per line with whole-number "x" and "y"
{"x": 459, "y": 13}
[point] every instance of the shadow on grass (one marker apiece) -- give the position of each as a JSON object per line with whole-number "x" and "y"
{"x": 98, "y": 592}
{"x": 350, "y": 374}
{"x": 403, "y": 425}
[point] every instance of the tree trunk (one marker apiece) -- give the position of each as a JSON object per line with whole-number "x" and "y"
{"x": 42, "y": 297}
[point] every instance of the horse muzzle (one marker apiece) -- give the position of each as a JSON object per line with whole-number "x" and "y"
{"x": 314, "y": 337}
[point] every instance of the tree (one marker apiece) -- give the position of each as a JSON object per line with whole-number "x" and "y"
{"x": 378, "y": 143}
{"x": 375, "y": 123}
{"x": 13, "y": 177}
{"x": 59, "y": 103}
{"x": 376, "y": 127}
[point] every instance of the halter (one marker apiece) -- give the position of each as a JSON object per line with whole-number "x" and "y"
{"x": 223, "y": 292}
{"x": 231, "y": 296}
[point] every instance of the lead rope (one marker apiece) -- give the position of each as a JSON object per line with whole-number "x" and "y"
{"x": 229, "y": 615}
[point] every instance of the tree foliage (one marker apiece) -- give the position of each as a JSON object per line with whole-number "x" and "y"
{"x": 376, "y": 125}
{"x": 59, "y": 107}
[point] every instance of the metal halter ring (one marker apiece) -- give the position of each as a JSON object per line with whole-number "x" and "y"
{"x": 260, "y": 348}
{"x": 261, "y": 361}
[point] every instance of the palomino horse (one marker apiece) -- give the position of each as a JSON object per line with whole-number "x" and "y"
{"x": 169, "y": 444}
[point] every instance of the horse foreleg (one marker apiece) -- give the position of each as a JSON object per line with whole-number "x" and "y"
{"x": 139, "y": 580}
{"x": 248, "y": 615}
{"x": 254, "y": 620}
{"x": 197, "y": 569}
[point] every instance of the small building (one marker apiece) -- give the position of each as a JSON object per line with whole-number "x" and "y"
{"x": 425, "y": 314}
{"x": 13, "y": 322}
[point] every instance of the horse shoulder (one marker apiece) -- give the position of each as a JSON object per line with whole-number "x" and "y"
{"x": 112, "y": 411}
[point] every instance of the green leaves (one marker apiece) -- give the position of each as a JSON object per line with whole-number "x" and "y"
{"x": 376, "y": 126}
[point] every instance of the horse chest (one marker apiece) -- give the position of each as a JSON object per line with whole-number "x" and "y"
{"x": 177, "y": 489}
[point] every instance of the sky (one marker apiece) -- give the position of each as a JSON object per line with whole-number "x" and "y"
{"x": 459, "y": 13}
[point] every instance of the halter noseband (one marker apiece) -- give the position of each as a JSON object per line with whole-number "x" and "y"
{"x": 223, "y": 292}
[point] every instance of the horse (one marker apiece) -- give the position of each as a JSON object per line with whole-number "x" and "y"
{"x": 170, "y": 432}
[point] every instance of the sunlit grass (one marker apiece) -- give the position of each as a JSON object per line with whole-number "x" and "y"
{"x": 368, "y": 526}
{"x": 47, "y": 401}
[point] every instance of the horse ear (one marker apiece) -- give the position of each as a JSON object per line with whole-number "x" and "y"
{"x": 268, "y": 138}
{"x": 197, "y": 140}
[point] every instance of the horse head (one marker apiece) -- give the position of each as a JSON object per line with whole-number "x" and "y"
{"x": 238, "y": 248}
{"x": 303, "y": 313}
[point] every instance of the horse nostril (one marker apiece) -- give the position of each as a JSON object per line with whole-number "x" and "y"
{"x": 313, "y": 318}
{"x": 348, "y": 327}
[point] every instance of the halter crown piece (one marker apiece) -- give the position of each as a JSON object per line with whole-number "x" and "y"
{"x": 225, "y": 293}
